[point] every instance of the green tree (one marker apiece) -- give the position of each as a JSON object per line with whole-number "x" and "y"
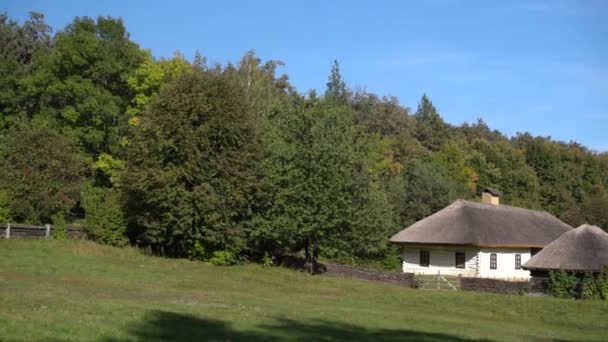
{"x": 336, "y": 87}
{"x": 191, "y": 167}
{"x": 382, "y": 116}
{"x": 428, "y": 188}
{"x": 5, "y": 207}
{"x": 595, "y": 208}
{"x": 105, "y": 221}
{"x": 20, "y": 45}
{"x": 431, "y": 131}
{"x": 80, "y": 87}
{"x": 502, "y": 166}
{"x": 41, "y": 172}
{"x": 452, "y": 158}
{"x": 264, "y": 92}
{"x": 147, "y": 79}
{"x": 323, "y": 197}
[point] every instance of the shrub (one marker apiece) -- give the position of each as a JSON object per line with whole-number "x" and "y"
{"x": 590, "y": 288}
{"x": 268, "y": 260}
{"x": 197, "y": 251}
{"x": 223, "y": 258}
{"x": 105, "y": 220}
{"x": 562, "y": 284}
{"x": 338, "y": 256}
{"x": 595, "y": 286}
{"x": 601, "y": 284}
{"x": 392, "y": 261}
{"x": 59, "y": 227}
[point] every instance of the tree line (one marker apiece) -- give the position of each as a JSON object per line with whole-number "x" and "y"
{"x": 232, "y": 162}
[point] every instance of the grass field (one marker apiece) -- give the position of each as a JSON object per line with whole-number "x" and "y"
{"x": 75, "y": 290}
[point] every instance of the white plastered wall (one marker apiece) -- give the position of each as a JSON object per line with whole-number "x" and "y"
{"x": 442, "y": 259}
{"x": 477, "y": 262}
{"x": 505, "y": 263}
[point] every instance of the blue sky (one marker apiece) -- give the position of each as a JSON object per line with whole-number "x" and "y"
{"x": 536, "y": 66}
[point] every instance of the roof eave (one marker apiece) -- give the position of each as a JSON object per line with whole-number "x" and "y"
{"x": 580, "y": 270}
{"x": 474, "y": 244}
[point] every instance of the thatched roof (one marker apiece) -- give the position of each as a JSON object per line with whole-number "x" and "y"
{"x": 582, "y": 249}
{"x": 484, "y": 225}
{"x": 494, "y": 192}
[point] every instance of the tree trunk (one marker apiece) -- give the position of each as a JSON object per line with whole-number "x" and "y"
{"x": 307, "y": 250}
{"x": 310, "y": 256}
{"x": 314, "y": 255}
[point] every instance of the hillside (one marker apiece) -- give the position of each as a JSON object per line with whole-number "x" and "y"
{"x": 77, "y": 290}
{"x": 231, "y": 160}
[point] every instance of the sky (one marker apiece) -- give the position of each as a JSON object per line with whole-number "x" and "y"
{"x": 521, "y": 66}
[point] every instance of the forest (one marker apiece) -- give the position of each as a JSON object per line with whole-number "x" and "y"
{"x": 231, "y": 162}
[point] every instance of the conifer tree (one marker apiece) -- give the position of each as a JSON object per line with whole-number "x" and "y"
{"x": 336, "y": 87}
{"x": 431, "y": 130}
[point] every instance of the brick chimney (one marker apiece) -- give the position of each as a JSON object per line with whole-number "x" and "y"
{"x": 490, "y": 196}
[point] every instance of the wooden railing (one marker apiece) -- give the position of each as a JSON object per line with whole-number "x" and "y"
{"x": 437, "y": 282}
{"x": 25, "y": 231}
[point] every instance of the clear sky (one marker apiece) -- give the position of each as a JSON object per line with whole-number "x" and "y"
{"x": 536, "y": 66}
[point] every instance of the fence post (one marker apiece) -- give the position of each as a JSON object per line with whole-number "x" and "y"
{"x": 48, "y": 231}
{"x": 459, "y": 281}
{"x": 438, "y": 279}
{"x": 8, "y": 231}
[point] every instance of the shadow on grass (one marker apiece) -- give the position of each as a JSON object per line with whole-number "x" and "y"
{"x": 169, "y": 326}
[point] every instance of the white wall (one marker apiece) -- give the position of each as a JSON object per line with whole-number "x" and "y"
{"x": 477, "y": 262}
{"x": 442, "y": 259}
{"x": 505, "y": 263}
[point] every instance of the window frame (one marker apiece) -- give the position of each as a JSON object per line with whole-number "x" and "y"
{"x": 456, "y": 261}
{"x": 425, "y": 258}
{"x": 518, "y": 261}
{"x": 493, "y": 261}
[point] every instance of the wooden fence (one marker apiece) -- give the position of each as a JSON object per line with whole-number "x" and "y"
{"x": 437, "y": 282}
{"x": 25, "y": 231}
{"x": 456, "y": 283}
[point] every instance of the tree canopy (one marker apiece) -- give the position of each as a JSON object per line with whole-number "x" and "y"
{"x": 230, "y": 161}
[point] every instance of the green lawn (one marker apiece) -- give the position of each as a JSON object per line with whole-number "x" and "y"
{"x": 75, "y": 290}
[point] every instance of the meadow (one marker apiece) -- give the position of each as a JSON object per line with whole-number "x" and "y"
{"x": 57, "y": 290}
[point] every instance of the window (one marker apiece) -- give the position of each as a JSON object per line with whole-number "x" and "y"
{"x": 425, "y": 258}
{"x": 459, "y": 260}
{"x": 518, "y": 261}
{"x": 493, "y": 261}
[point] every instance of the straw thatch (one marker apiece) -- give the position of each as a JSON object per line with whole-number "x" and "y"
{"x": 484, "y": 225}
{"x": 582, "y": 249}
{"x": 494, "y": 192}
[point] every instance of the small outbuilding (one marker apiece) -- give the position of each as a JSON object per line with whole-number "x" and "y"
{"x": 584, "y": 249}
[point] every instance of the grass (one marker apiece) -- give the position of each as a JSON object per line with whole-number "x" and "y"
{"x": 77, "y": 290}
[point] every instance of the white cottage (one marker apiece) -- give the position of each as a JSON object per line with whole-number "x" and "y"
{"x": 473, "y": 239}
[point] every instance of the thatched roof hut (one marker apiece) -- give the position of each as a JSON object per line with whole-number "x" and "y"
{"x": 584, "y": 249}
{"x": 469, "y": 223}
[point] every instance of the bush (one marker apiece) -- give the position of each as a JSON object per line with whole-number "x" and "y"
{"x": 338, "y": 256}
{"x": 59, "y": 227}
{"x": 223, "y": 258}
{"x": 562, "y": 284}
{"x": 595, "y": 286}
{"x": 601, "y": 284}
{"x": 105, "y": 220}
{"x": 590, "y": 288}
{"x": 268, "y": 260}
{"x": 392, "y": 261}
{"x": 197, "y": 251}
